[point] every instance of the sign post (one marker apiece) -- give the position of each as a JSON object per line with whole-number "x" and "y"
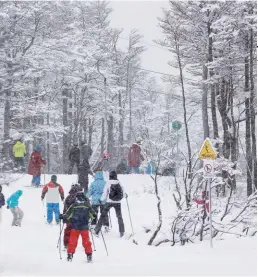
{"x": 208, "y": 155}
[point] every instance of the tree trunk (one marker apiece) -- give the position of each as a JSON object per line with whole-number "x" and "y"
{"x": 102, "y": 135}
{"x": 110, "y": 138}
{"x": 48, "y": 153}
{"x": 252, "y": 112}
{"x": 205, "y": 117}
{"x": 121, "y": 127}
{"x": 65, "y": 136}
{"x": 91, "y": 123}
{"x": 185, "y": 115}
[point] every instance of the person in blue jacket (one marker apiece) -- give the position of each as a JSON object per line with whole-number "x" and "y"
{"x": 95, "y": 192}
{"x": 13, "y": 205}
{"x": 151, "y": 168}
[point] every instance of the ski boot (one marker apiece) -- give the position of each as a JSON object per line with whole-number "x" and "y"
{"x": 69, "y": 257}
{"x": 89, "y": 258}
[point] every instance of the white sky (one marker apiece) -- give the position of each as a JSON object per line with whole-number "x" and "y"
{"x": 142, "y": 15}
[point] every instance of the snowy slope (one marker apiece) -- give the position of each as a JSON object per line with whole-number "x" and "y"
{"x": 32, "y": 249}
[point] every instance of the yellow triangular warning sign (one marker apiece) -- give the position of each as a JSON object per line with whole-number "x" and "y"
{"x": 207, "y": 150}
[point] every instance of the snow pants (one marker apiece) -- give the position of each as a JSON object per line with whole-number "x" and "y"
{"x": 17, "y": 216}
{"x": 53, "y": 208}
{"x": 107, "y": 207}
{"x": 67, "y": 233}
{"x": 133, "y": 169}
{"x": 72, "y": 163}
{"x": 36, "y": 180}
{"x": 19, "y": 164}
{"x": 73, "y": 241}
{"x": 95, "y": 219}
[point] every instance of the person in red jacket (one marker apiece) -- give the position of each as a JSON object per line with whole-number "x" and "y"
{"x": 135, "y": 158}
{"x": 35, "y": 164}
{"x": 204, "y": 201}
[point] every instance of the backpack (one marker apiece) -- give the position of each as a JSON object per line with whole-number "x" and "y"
{"x": 116, "y": 192}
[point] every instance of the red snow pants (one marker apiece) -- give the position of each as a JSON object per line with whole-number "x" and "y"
{"x": 67, "y": 232}
{"x": 73, "y": 241}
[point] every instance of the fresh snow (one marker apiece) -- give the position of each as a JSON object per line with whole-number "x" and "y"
{"x": 32, "y": 249}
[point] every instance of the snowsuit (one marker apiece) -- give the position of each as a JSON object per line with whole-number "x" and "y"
{"x": 86, "y": 151}
{"x": 35, "y": 167}
{"x": 13, "y": 203}
{"x": 52, "y": 191}
{"x": 95, "y": 192}
{"x": 2, "y": 202}
{"x": 121, "y": 167}
{"x": 83, "y": 176}
{"x": 111, "y": 204}
{"x": 74, "y": 158}
{"x": 69, "y": 200}
{"x": 79, "y": 214}
{"x": 151, "y": 168}
{"x": 19, "y": 151}
{"x": 134, "y": 159}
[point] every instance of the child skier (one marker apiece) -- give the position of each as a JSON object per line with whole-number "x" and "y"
{"x": 35, "y": 166}
{"x": 69, "y": 200}
{"x": 95, "y": 192}
{"x": 12, "y": 204}
{"x": 52, "y": 190}
{"x": 2, "y": 202}
{"x": 79, "y": 214}
{"x": 112, "y": 195}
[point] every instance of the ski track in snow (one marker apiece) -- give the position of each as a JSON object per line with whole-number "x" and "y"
{"x": 32, "y": 249}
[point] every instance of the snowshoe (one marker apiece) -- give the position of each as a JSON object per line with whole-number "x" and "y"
{"x": 69, "y": 257}
{"x": 89, "y": 258}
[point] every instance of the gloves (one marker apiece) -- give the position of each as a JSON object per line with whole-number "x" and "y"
{"x": 61, "y": 216}
{"x": 7, "y": 207}
{"x": 100, "y": 202}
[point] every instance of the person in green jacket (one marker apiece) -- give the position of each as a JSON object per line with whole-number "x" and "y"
{"x": 19, "y": 151}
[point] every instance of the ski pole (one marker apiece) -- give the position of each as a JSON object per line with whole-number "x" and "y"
{"x": 61, "y": 229}
{"x": 44, "y": 208}
{"x": 104, "y": 241}
{"x": 129, "y": 214}
{"x": 59, "y": 238}
{"x": 110, "y": 222}
{"x": 93, "y": 242}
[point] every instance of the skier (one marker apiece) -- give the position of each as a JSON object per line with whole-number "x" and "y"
{"x": 74, "y": 158}
{"x": 112, "y": 195}
{"x": 12, "y": 204}
{"x": 19, "y": 151}
{"x": 95, "y": 192}
{"x": 35, "y": 164}
{"x": 2, "y": 202}
{"x": 83, "y": 175}
{"x": 121, "y": 167}
{"x": 69, "y": 200}
{"x": 135, "y": 157}
{"x": 79, "y": 214}
{"x": 86, "y": 151}
{"x": 104, "y": 165}
{"x": 52, "y": 190}
{"x": 151, "y": 168}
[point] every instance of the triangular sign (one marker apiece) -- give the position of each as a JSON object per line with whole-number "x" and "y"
{"x": 207, "y": 150}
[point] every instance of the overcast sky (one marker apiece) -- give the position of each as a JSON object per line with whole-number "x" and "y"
{"x": 142, "y": 15}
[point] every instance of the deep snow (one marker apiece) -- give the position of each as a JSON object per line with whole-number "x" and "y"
{"x": 31, "y": 249}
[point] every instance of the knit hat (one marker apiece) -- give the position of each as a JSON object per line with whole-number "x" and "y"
{"x": 53, "y": 178}
{"x": 38, "y": 148}
{"x": 112, "y": 175}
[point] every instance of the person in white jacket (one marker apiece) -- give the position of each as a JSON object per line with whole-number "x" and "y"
{"x": 112, "y": 195}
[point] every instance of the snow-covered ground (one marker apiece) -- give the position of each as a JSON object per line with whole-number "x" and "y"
{"x": 32, "y": 249}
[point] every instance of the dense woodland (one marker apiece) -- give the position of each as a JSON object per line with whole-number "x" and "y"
{"x": 64, "y": 79}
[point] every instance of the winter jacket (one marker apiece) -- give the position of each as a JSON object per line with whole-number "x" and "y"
{"x": 151, "y": 168}
{"x": 204, "y": 203}
{"x": 70, "y": 199}
{"x": 121, "y": 168}
{"x": 19, "y": 150}
{"x": 79, "y": 214}
{"x": 96, "y": 188}
{"x": 134, "y": 156}
{"x": 13, "y": 200}
{"x": 84, "y": 171}
{"x": 2, "y": 200}
{"x": 105, "y": 195}
{"x": 35, "y": 163}
{"x": 86, "y": 151}
{"x": 74, "y": 155}
{"x": 52, "y": 191}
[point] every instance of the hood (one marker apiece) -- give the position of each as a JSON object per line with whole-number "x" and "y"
{"x": 18, "y": 142}
{"x": 38, "y": 148}
{"x": 99, "y": 175}
{"x": 19, "y": 192}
